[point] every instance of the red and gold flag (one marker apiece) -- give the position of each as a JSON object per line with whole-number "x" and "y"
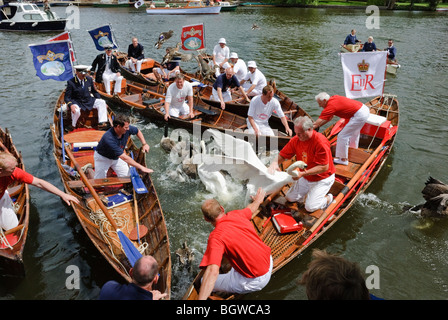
{"x": 193, "y": 37}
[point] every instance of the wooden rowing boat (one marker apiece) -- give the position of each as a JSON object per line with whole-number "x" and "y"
{"x": 116, "y": 196}
{"x": 351, "y": 181}
{"x": 392, "y": 67}
{"x": 204, "y": 92}
{"x": 146, "y": 75}
{"x": 151, "y": 105}
{"x": 12, "y": 242}
{"x": 352, "y": 47}
{"x": 141, "y": 77}
{"x": 191, "y": 7}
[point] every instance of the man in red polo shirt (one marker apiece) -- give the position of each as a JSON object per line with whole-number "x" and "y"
{"x": 355, "y": 114}
{"x": 234, "y": 237}
{"x": 10, "y": 173}
{"x": 315, "y": 181}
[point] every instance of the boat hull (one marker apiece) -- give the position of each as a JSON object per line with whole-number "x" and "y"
{"x": 351, "y": 182}
{"x": 173, "y": 11}
{"x": 145, "y": 206}
{"x": 43, "y": 26}
{"x": 11, "y": 257}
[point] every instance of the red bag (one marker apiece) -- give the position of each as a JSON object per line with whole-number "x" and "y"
{"x": 285, "y": 223}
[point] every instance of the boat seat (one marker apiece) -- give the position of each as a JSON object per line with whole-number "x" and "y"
{"x": 336, "y": 188}
{"x": 100, "y": 182}
{"x": 85, "y": 159}
{"x": 132, "y": 97}
{"x": 150, "y": 102}
{"x": 347, "y": 171}
{"x": 101, "y": 87}
{"x": 15, "y": 190}
{"x": 88, "y": 118}
{"x": 205, "y": 111}
{"x": 354, "y": 155}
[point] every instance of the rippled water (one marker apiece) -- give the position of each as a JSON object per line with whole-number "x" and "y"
{"x": 299, "y": 48}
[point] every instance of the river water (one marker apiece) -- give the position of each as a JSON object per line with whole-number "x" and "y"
{"x": 299, "y": 49}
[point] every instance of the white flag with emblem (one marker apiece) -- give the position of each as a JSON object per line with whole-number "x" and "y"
{"x": 139, "y": 3}
{"x": 364, "y": 73}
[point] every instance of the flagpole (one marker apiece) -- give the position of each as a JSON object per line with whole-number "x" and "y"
{"x": 73, "y": 48}
{"x": 114, "y": 40}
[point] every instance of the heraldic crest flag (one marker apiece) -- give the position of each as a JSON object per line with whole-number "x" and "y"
{"x": 364, "y": 73}
{"x": 52, "y": 60}
{"x": 103, "y": 36}
{"x": 193, "y": 37}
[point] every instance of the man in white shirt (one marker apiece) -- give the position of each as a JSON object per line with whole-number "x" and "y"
{"x": 255, "y": 81}
{"x": 221, "y": 55}
{"x": 177, "y": 93}
{"x": 239, "y": 66}
{"x": 260, "y": 110}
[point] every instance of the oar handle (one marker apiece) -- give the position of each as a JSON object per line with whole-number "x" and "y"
{"x": 91, "y": 189}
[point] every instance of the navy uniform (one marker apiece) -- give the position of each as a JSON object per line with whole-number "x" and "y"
{"x": 81, "y": 94}
{"x": 107, "y": 70}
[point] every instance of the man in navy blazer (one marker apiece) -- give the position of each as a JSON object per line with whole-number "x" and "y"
{"x": 107, "y": 70}
{"x": 81, "y": 94}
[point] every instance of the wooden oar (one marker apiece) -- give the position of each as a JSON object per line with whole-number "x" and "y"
{"x": 137, "y": 182}
{"x": 140, "y": 230}
{"x": 128, "y": 247}
{"x": 62, "y": 135}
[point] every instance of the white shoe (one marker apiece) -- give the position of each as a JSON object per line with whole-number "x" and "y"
{"x": 339, "y": 161}
{"x": 329, "y": 200}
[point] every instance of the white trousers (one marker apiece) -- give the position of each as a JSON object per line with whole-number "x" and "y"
{"x": 264, "y": 128}
{"x": 349, "y": 135}
{"x": 8, "y": 217}
{"x": 177, "y": 111}
{"x": 109, "y": 76}
{"x": 226, "y": 96}
{"x": 254, "y": 92}
{"x": 233, "y": 281}
{"x": 315, "y": 192}
{"x": 102, "y": 165}
{"x": 134, "y": 66}
{"x": 99, "y": 104}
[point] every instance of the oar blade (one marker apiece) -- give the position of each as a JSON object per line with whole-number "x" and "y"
{"x": 129, "y": 249}
{"x": 137, "y": 182}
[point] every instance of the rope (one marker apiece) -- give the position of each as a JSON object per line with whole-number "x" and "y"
{"x": 4, "y": 240}
{"x": 385, "y": 102}
{"x": 111, "y": 236}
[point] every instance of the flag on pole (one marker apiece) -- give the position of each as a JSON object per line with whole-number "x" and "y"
{"x": 364, "y": 73}
{"x": 65, "y": 36}
{"x": 52, "y": 60}
{"x": 193, "y": 37}
{"x": 62, "y": 36}
{"x": 139, "y": 3}
{"x": 103, "y": 36}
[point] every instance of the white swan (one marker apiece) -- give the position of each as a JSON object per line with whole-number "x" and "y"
{"x": 241, "y": 162}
